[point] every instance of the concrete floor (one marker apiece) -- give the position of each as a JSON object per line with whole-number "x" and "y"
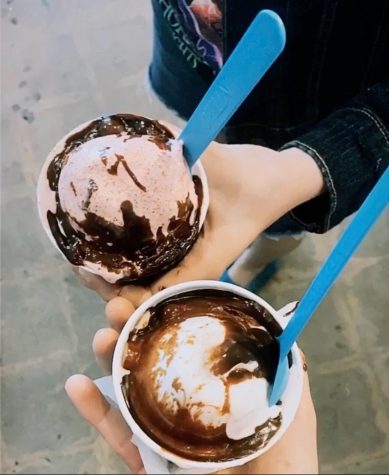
{"x": 66, "y": 61}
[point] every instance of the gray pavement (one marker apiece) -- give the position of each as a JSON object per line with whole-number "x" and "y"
{"x": 64, "y": 62}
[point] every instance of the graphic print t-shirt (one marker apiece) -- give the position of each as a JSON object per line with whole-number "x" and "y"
{"x": 196, "y": 26}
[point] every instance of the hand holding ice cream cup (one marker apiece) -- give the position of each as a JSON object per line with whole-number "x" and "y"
{"x": 117, "y": 198}
{"x": 191, "y": 374}
{"x": 193, "y": 364}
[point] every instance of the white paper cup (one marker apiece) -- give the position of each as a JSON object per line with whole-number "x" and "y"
{"x": 46, "y": 200}
{"x": 291, "y": 397}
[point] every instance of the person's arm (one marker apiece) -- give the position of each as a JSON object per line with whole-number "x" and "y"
{"x": 250, "y": 188}
{"x": 351, "y": 149}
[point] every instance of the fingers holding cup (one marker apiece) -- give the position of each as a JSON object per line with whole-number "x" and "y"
{"x": 118, "y": 310}
{"x": 104, "y": 343}
{"x": 96, "y": 283}
{"x": 95, "y": 409}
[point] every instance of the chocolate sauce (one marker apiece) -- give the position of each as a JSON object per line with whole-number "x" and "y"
{"x": 113, "y": 170}
{"x": 181, "y": 433}
{"x": 132, "y": 247}
{"x": 73, "y": 188}
{"x": 92, "y": 187}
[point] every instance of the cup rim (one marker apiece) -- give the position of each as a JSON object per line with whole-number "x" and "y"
{"x": 117, "y": 373}
{"x": 43, "y": 194}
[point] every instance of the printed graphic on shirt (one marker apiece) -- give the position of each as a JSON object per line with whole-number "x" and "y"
{"x": 196, "y": 27}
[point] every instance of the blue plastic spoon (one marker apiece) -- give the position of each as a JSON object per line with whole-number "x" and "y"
{"x": 259, "y": 47}
{"x": 353, "y": 235}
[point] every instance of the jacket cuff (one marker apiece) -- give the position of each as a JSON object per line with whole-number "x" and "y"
{"x": 351, "y": 149}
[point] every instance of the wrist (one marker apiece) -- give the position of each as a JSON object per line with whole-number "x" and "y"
{"x": 278, "y": 181}
{"x": 264, "y": 184}
{"x": 289, "y": 177}
{"x": 304, "y": 180}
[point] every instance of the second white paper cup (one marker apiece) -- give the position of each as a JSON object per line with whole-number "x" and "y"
{"x": 291, "y": 397}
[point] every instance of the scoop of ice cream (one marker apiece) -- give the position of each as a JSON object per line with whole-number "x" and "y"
{"x": 185, "y": 378}
{"x": 199, "y": 373}
{"x": 119, "y": 199}
{"x": 105, "y": 172}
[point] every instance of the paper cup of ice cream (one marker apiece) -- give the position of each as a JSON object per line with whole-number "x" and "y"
{"x": 191, "y": 374}
{"x": 117, "y": 198}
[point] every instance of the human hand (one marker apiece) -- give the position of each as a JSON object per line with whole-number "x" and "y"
{"x": 250, "y": 188}
{"x": 296, "y": 452}
{"x": 241, "y": 179}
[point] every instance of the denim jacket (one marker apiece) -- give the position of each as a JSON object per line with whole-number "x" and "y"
{"x": 327, "y": 94}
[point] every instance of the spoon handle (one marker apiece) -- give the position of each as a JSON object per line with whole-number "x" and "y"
{"x": 354, "y": 234}
{"x": 259, "y": 47}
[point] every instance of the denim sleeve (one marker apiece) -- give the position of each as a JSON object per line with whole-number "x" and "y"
{"x": 351, "y": 148}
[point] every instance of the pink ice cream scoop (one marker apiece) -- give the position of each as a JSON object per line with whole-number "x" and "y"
{"x": 118, "y": 199}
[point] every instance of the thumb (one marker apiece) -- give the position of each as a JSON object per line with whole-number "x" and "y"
{"x": 93, "y": 407}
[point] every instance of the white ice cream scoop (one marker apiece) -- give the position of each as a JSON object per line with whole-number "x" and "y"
{"x": 183, "y": 379}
